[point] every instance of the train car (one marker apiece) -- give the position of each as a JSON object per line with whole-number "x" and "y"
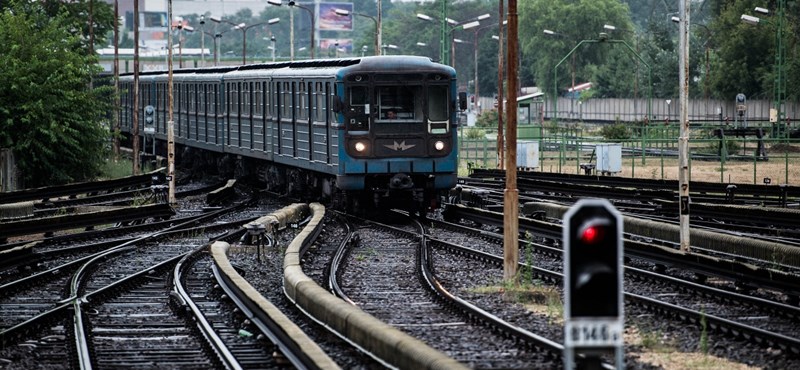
{"x": 374, "y": 131}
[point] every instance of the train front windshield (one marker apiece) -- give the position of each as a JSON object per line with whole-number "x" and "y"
{"x": 386, "y": 105}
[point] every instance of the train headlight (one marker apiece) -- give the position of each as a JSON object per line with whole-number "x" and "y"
{"x": 439, "y": 145}
{"x": 360, "y": 147}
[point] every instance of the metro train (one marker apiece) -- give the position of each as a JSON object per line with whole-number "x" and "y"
{"x": 362, "y": 132}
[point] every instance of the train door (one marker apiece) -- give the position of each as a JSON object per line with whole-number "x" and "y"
{"x": 319, "y": 124}
{"x": 258, "y": 116}
{"x": 334, "y": 124}
{"x": 286, "y": 119}
{"x": 191, "y": 110}
{"x": 302, "y": 128}
{"x": 245, "y": 116}
{"x": 202, "y": 113}
{"x": 270, "y": 99}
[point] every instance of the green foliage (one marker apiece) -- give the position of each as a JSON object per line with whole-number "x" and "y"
{"x": 474, "y": 133}
{"x": 49, "y": 115}
{"x": 574, "y": 21}
{"x": 487, "y": 119}
{"x": 617, "y": 131}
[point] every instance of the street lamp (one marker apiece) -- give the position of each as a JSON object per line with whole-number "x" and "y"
{"x": 293, "y": 3}
{"x": 447, "y": 35}
{"x": 389, "y": 46}
{"x": 779, "y": 88}
{"x": 475, "y": 46}
{"x": 215, "y": 44}
{"x": 181, "y": 28}
{"x": 378, "y": 41}
{"x": 244, "y": 29}
{"x": 611, "y": 28}
{"x": 203, "y": 40}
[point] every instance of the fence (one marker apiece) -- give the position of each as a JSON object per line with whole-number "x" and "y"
{"x": 726, "y": 155}
{"x": 633, "y": 110}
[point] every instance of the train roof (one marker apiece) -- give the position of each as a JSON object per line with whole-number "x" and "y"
{"x": 396, "y": 62}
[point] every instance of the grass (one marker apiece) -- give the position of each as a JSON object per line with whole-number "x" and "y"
{"x": 117, "y": 169}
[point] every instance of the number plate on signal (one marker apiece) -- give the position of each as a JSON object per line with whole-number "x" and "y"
{"x": 594, "y": 333}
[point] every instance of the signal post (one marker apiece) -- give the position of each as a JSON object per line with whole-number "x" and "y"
{"x": 593, "y": 309}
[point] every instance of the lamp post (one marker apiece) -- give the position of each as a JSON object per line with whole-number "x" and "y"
{"x": 602, "y": 39}
{"x": 203, "y": 40}
{"x": 779, "y": 88}
{"x": 389, "y": 46}
{"x": 706, "y": 47}
{"x": 477, "y": 33}
{"x": 378, "y": 41}
{"x": 244, "y": 29}
{"x": 181, "y": 28}
{"x": 293, "y": 3}
{"x": 272, "y": 39}
{"x": 445, "y": 49}
{"x": 215, "y": 44}
{"x": 572, "y": 70}
{"x": 218, "y": 35}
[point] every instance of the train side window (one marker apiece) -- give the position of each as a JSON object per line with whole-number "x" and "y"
{"x": 258, "y": 100}
{"x": 302, "y": 102}
{"x": 330, "y": 91}
{"x": 286, "y": 100}
{"x": 319, "y": 102}
{"x": 192, "y": 96}
{"x": 215, "y": 97}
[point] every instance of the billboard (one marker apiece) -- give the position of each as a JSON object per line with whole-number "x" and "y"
{"x": 330, "y": 21}
{"x": 328, "y": 47}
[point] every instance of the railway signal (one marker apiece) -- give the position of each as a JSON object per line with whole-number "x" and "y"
{"x": 593, "y": 309}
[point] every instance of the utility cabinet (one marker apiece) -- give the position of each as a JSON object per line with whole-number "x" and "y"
{"x": 609, "y": 158}
{"x": 527, "y": 154}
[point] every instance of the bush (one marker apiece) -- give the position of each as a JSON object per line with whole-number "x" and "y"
{"x": 474, "y": 133}
{"x": 487, "y": 119}
{"x": 617, "y": 131}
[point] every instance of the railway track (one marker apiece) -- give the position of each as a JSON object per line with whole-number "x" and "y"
{"x": 757, "y": 318}
{"x": 121, "y": 310}
{"x": 380, "y": 278}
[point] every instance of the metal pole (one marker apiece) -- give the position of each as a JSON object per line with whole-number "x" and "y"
{"x": 475, "y": 45}
{"x": 443, "y": 56}
{"x": 170, "y": 122}
{"x": 511, "y": 194}
{"x": 116, "y": 81}
{"x": 291, "y": 34}
{"x": 180, "y": 47}
{"x": 135, "y": 130}
{"x": 244, "y": 45}
{"x": 379, "y": 32}
{"x": 203, "y": 40}
{"x": 683, "y": 141}
{"x": 500, "y": 87}
{"x": 217, "y": 38}
{"x": 272, "y": 38}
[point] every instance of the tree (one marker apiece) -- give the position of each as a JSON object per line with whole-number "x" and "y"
{"x": 747, "y": 53}
{"x": 49, "y": 116}
{"x": 573, "y": 21}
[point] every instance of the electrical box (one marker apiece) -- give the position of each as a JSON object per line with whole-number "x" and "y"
{"x": 527, "y": 154}
{"x": 609, "y": 158}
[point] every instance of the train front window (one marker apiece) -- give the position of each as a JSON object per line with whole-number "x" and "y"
{"x": 399, "y": 103}
{"x": 358, "y": 117}
{"x": 438, "y": 109}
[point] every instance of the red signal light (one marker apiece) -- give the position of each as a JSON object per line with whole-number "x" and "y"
{"x": 592, "y": 234}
